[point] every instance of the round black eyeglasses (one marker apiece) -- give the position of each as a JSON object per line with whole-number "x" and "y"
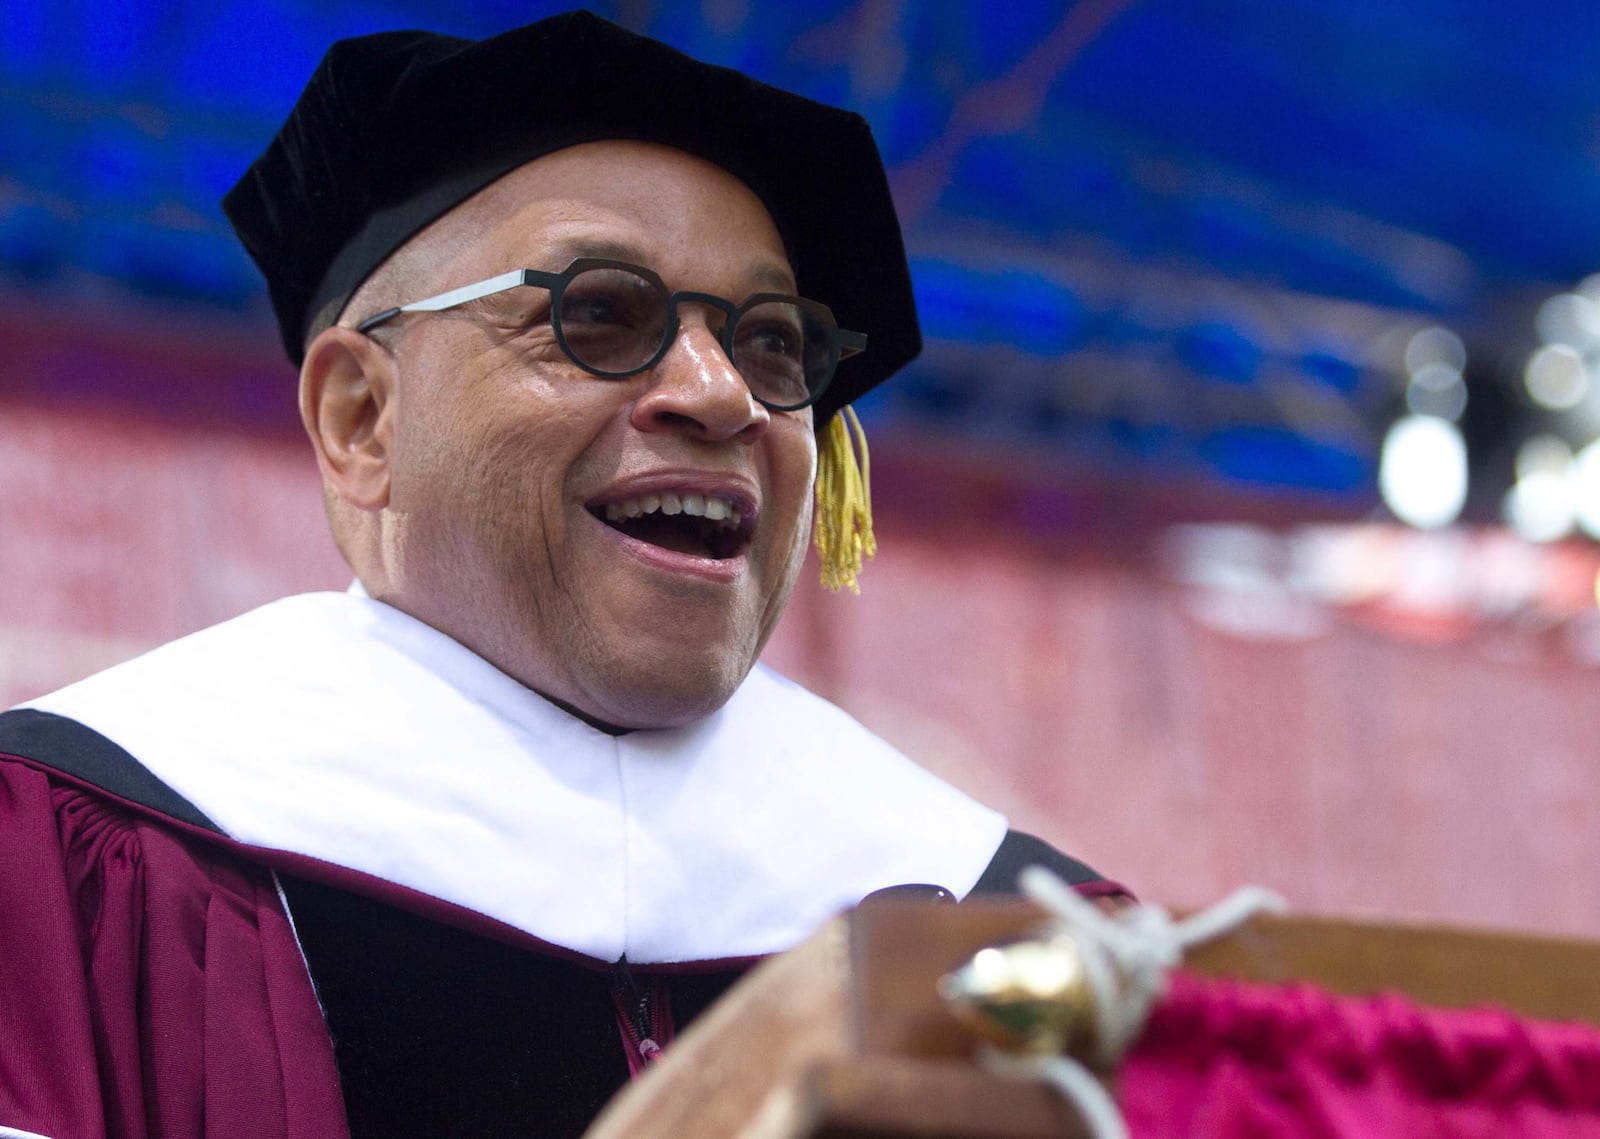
{"x": 614, "y": 320}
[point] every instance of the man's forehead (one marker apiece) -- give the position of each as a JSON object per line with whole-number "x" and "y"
{"x": 621, "y": 200}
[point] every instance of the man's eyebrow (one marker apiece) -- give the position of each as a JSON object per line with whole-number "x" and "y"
{"x": 569, "y": 249}
{"x": 769, "y": 276}
{"x": 776, "y": 279}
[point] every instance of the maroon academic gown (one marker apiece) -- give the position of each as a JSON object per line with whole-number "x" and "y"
{"x": 151, "y": 984}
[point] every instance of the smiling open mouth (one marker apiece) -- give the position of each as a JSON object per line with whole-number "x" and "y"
{"x": 704, "y": 525}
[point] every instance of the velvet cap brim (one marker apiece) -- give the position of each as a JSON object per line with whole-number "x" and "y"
{"x": 395, "y": 129}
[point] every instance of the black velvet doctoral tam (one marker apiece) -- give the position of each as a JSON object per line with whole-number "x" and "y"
{"x": 395, "y": 129}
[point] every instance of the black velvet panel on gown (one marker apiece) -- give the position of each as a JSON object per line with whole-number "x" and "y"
{"x": 443, "y": 1034}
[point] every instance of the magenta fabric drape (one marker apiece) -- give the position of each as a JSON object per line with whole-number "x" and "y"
{"x": 1249, "y": 1061}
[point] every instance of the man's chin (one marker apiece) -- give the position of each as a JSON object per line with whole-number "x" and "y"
{"x": 668, "y": 695}
{"x": 650, "y": 714}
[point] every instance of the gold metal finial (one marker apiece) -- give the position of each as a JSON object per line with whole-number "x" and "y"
{"x": 1027, "y": 995}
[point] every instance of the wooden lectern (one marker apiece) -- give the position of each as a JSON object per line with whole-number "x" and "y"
{"x": 845, "y": 1037}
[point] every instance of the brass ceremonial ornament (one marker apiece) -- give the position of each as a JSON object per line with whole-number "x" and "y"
{"x": 1027, "y": 995}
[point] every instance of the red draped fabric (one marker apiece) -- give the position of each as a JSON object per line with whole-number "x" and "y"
{"x": 1248, "y": 1061}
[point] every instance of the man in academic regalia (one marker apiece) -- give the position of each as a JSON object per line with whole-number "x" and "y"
{"x": 452, "y": 853}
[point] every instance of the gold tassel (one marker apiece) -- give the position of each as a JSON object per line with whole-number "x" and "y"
{"x": 843, "y": 528}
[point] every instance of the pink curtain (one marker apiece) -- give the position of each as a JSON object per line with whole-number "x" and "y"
{"x": 1245, "y": 1061}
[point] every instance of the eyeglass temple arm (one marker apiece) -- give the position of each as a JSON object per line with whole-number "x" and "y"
{"x": 461, "y": 296}
{"x": 851, "y": 343}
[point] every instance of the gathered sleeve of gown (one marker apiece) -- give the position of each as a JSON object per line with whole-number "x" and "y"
{"x": 150, "y": 982}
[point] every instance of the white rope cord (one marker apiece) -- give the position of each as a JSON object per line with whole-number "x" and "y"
{"x": 1075, "y": 1083}
{"x": 1126, "y": 957}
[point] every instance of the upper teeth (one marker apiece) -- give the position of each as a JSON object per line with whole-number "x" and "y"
{"x": 707, "y": 506}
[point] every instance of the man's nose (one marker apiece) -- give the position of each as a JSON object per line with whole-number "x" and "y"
{"x": 695, "y": 387}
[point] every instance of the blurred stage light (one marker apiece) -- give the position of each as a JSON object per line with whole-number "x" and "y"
{"x": 1539, "y": 507}
{"x": 1544, "y": 455}
{"x": 1435, "y": 345}
{"x": 1569, "y": 318}
{"x": 1585, "y": 485}
{"x": 1556, "y": 377}
{"x": 1423, "y": 471}
{"x": 1437, "y": 389}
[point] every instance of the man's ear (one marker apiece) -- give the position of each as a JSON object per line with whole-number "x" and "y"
{"x": 347, "y": 390}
